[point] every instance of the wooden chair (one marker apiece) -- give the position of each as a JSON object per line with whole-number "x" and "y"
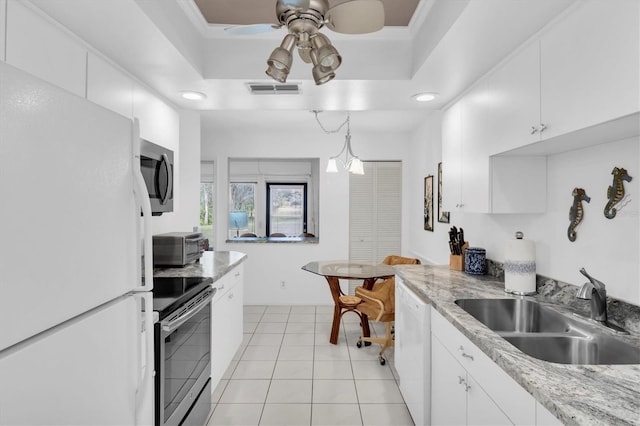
{"x": 400, "y": 260}
{"x": 277, "y": 234}
{"x": 249, "y": 234}
{"x": 393, "y": 259}
{"x": 378, "y": 305}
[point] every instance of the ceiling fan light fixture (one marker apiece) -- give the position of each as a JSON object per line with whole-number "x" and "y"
{"x": 280, "y": 60}
{"x": 303, "y": 20}
{"x": 322, "y": 75}
{"x": 277, "y": 75}
{"x": 326, "y": 54}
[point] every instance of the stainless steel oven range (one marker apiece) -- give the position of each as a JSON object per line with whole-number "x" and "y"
{"x": 182, "y": 350}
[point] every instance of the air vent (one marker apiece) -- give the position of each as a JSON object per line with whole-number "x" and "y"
{"x": 273, "y": 89}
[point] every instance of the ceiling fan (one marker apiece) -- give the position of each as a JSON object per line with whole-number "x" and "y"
{"x": 303, "y": 19}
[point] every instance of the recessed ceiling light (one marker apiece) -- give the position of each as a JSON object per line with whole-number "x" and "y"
{"x": 193, "y": 96}
{"x": 424, "y": 97}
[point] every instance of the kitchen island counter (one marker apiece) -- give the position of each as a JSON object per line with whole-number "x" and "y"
{"x": 575, "y": 394}
{"x": 214, "y": 264}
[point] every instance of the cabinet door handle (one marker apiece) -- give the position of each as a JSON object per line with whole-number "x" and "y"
{"x": 462, "y": 381}
{"x": 466, "y": 355}
{"x": 534, "y": 130}
{"x": 230, "y": 295}
{"x": 543, "y": 127}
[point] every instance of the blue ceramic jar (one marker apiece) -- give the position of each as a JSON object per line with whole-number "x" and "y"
{"x": 475, "y": 259}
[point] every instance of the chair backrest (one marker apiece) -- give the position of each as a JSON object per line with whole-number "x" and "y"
{"x": 307, "y": 235}
{"x": 386, "y": 293}
{"x": 248, "y": 234}
{"x": 400, "y": 260}
{"x": 277, "y": 234}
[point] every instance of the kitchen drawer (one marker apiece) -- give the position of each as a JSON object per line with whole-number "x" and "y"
{"x": 517, "y": 403}
{"x": 228, "y": 281}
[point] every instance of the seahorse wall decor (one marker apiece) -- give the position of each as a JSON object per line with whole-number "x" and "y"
{"x": 615, "y": 192}
{"x": 576, "y": 212}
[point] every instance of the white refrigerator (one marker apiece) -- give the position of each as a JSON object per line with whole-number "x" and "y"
{"x": 76, "y": 336}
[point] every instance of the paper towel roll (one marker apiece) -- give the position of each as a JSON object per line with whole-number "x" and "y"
{"x": 520, "y": 266}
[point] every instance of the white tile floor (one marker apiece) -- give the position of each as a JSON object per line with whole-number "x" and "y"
{"x": 287, "y": 373}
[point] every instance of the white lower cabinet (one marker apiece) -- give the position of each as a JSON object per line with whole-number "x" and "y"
{"x": 226, "y": 322}
{"x": 467, "y": 387}
{"x": 457, "y": 399}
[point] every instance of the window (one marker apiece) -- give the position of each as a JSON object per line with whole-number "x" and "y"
{"x": 273, "y": 195}
{"x": 242, "y": 206}
{"x": 287, "y": 207}
{"x": 206, "y": 200}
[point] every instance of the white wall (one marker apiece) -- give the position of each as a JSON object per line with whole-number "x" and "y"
{"x": 608, "y": 249}
{"x": 270, "y": 263}
{"x": 426, "y": 153}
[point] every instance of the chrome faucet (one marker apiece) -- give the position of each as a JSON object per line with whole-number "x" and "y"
{"x": 596, "y": 292}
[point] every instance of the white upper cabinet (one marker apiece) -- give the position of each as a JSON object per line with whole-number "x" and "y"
{"x": 465, "y": 162}
{"x": 513, "y": 99}
{"x": 159, "y": 123}
{"x": 590, "y": 66}
{"x": 3, "y": 27}
{"x": 37, "y": 45}
{"x": 553, "y": 94}
{"x": 581, "y": 72}
{"x": 109, "y": 87}
{"x": 452, "y": 158}
{"x": 475, "y": 182}
{"x": 475, "y": 159}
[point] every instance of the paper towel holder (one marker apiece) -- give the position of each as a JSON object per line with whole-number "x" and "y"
{"x": 520, "y": 274}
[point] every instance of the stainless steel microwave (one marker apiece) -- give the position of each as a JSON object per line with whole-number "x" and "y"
{"x": 156, "y": 164}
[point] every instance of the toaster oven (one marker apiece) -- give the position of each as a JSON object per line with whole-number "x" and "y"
{"x": 177, "y": 248}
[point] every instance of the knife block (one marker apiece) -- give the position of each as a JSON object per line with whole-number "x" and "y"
{"x": 456, "y": 261}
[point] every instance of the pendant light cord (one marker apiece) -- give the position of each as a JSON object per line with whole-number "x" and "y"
{"x": 329, "y": 132}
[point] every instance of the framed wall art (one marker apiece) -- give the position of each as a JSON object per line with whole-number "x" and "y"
{"x": 428, "y": 203}
{"x": 443, "y": 216}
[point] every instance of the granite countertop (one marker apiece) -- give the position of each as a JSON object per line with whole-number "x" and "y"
{"x": 576, "y": 394}
{"x": 212, "y": 264}
{"x": 277, "y": 240}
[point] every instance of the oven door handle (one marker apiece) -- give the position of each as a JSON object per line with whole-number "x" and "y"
{"x": 170, "y": 326}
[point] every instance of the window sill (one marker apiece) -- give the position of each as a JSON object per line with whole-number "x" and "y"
{"x": 285, "y": 240}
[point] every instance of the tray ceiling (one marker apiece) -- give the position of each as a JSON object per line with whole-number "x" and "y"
{"x": 398, "y": 13}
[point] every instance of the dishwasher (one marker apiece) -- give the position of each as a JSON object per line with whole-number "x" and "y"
{"x": 413, "y": 352}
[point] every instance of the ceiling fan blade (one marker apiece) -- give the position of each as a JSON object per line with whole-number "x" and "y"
{"x": 356, "y": 17}
{"x": 251, "y": 29}
{"x": 305, "y": 54}
{"x": 296, "y": 4}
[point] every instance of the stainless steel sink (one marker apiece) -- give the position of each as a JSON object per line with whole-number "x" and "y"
{"x": 577, "y": 349}
{"x": 516, "y": 315}
{"x": 546, "y": 334}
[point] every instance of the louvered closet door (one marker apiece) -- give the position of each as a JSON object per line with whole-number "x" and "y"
{"x": 374, "y": 213}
